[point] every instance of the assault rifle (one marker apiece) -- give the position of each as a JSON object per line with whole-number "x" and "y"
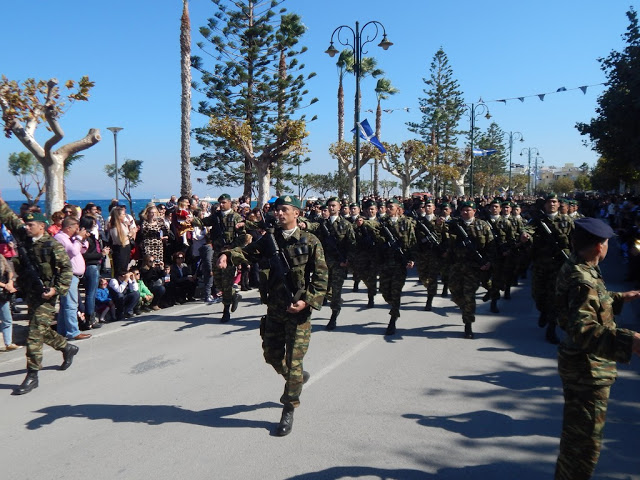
{"x": 30, "y": 273}
{"x": 543, "y": 223}
{"x": 391, "y": 241}
{"x": 467, "y": 243}
{"x": 331, "y": 241}
{"x": 279, "y": 268}
{"x": 429, "y": 236}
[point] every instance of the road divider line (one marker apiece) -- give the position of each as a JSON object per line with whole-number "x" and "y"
{"x": 339, "y": 361}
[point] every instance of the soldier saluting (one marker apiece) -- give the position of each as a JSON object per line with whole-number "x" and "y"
{"x": 44, "y": 273}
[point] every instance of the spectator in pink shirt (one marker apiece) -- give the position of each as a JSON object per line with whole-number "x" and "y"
{"x": 74, "y": 241}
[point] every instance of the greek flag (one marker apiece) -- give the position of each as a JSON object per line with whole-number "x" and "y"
{"x": 366, "y": 133}
{"x": 481, "y": 152}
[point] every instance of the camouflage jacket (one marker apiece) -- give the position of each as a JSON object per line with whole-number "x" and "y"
{"x": 365, "y": 236}
{"x": 223, "y": 230}
{"x": 338, "y": 239}
{"x": 423, "y": 244}
{"x": 305, "y": 256}
{"x": 503, "y": 233}
{"x": 546, "y": 248}
{"x": 47, "y": 255}
{"x": 403, "y": 230}
{"x": 594, "y": 344}
{"x": 480, "y": 236}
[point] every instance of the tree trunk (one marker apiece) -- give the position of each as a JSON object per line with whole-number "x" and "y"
{"x": 54, "y": 183}
{"x": 185, "y": 104}
{"x": 376, "y": 162}
{"x": 264, "y": 183}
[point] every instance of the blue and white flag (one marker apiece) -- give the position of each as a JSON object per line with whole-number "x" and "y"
{"x": 482, "y": 152}
{"x": 366, "y": 133}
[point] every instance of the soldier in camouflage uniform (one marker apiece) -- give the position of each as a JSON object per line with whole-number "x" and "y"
{"x": 505, "y": 240}
{"x": 573, "y": 210}
{"x": 549, "y": 252}
{"x": 227, "y": 231}
{"x": 428, "y": 249}
{"x": 366, "y": 255}
{"x": 397, "y": 253}
{"x": 523, "y": 252}
{"x": 287, "y": 326}
{"x": 587, "y": 356}
{"x": 338, "y": 243}
{"x": 444, "y": 215}
{"x": 44, "y": 273}
{"x": 470, "y": 260}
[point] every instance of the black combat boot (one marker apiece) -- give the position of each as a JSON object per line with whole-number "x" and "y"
{"x": 30, "y": 382}
{"x": 236, "y": 298}
{"x": 67, "y": 355}
{"x": 542, "y": 320}
{"x": 391, "y": 328}
{"x": 445, "y": 290}
{"x": 244, "y": 282}
{"x": 427, "y": 307}
{"x": 550, "y": 334}
{"x": 286, "y": 421}
{"x": 487, "y": 297}
{"x": 356, "y": 285}
{"x": 370, "y": 304}
{"x": 507, "y": 293}
{"x": 468, "y": 331}
{"x": 332, "y": 322}
{"x": 226, "y": 315}
{"x": 494, "y": 306}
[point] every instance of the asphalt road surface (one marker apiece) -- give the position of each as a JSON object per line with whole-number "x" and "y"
{"x": 179, "y": 395}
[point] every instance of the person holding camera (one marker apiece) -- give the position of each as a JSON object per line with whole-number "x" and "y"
{"x": 124, "y": 292}
{"x": 152, "y": 274}
{"x": 44, "y": 272}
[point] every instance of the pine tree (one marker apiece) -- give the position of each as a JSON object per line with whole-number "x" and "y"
{"x": 441, "y": 108}
{"x": 491, "y": 167}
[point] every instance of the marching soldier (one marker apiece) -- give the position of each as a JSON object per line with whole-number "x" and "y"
{"x": 227, "y": 231}
{"x": 44, "y": 273}
{"x": 291, "y": 294}
{"x": 550, "y": 232}
{"x": 338, "y": 243}
{"x": 471, "y": 251}
{"x": 366, "y": 254}
{"x": 523, "y": 253}
{"x": 428, "y": 248}
{"x": 444, "y": 216}
{"x": 397, "y": 235}
{"x": 505, "y": 240}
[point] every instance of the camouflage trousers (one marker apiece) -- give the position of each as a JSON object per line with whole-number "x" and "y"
{"x": 337, "y": 274}
{"x": 543, "y": 289}
{"x": 585, "y": 409}
{"x": 428, "y": 266}
{"x": 40, "y": 332}
{"x": 392, "y": 279}
{"x": 464, "y": 282}
{"x": 501, "y": 274}
{"x": 365, "y": 268}
{"x": 284, "y": 345}
{"x": 223, "y": 279}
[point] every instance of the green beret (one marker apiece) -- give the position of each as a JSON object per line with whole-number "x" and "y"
{"x": 551, "y": 196}
{"x": 333, "y": 199}
{"x": 393, "y": 200}
{"x": 289, "y": 200}
{"x": 445, "y": 205}
{"x": 564, "y": 200}
{"x": 507, "y": 203}
{"x": 35, "y": 217}
{"x": 369, "y": 203}
{"x": 428, "y": 200}
{"x": 224, "y": 196}
{"x": 324, "y": 206}
{"x": 496, "y": 201}
{"x": 351, "y": 205}
{"x": 468, "y": 203}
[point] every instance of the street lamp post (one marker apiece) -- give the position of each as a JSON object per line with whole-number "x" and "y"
{"x": 529, "y": 151}
{"x": 535, "y": 170}
{"x": 115, "y": 131}
{"x": 356, "y": 42}
{"x": 474, "y": 111}
{"x": 512, "y": 136}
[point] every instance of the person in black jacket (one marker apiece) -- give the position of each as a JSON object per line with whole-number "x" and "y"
{"x": 92, "y": 259}
{"x": 152, "y": 274}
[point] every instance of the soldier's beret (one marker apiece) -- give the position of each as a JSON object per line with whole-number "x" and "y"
{"x": 224, "y": 196}
{"x": 507, "y": 203}
{"x": 35, "y": 217}
{"x": 468, "y": 203}
{"x": 324, "y": 206}
{"x": 595, "y": 227}
{"x": 445, "y": 205}
{"x": 381, "y": 204}
{"x": 369, "y": 203}
{"x": 564, "y": 200}
{"x": 393, "y": 200}
{"x": 428, "y": 200}
{"x": 551, "y": 196}
{"x": 289, "y": 200}
{"x": 496, "y": 201}
{"x": 333, "y": 199}
{"x": 351, "y": 205}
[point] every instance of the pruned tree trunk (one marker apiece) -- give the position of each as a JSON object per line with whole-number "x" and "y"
{"x": 264, "y": 183}
{"x": 185, "y": 103}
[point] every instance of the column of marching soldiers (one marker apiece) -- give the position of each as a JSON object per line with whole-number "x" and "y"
{"x": 461, "y": 250}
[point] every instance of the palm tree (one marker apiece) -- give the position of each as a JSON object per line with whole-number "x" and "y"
{"x": 383, "y": 90}
{"x": 185, "y": 102}
{"x": 345, "y": 58}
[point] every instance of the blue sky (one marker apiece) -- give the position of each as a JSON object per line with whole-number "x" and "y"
{"x": 497, "y": 49}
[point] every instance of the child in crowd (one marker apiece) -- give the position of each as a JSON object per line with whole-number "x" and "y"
{"x": 104, "y": 304}
{"x": 146, "y": 297}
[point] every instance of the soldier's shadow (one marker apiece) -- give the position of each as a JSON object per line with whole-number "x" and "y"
{"x": 154, "y": 415}
{"x": 22, "y": 371}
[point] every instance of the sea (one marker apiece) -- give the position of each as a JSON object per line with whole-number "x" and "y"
{"x": 139, "y": 204}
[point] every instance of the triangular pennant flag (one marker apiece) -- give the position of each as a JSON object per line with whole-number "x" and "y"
{"x": 521, "y": 99}
{"x": 366, "y": 133}
{"x": 584, "y": 89}
{"x": 503, "y": 101}
{"x": 561, "y": 89}
{"x": 541, "y": 96}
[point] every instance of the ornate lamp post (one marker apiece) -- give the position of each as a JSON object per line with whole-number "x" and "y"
{"x": 474, "y": 110}
{"x": 512, "y": 136}
{"x": 529, "y": 151}
{"x": 535, "y": 170}
{"x": 355, "y": 40}
{"x": 115, "y": 131}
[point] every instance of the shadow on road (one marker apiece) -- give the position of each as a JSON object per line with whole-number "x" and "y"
{"x": 154, "y": 415}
